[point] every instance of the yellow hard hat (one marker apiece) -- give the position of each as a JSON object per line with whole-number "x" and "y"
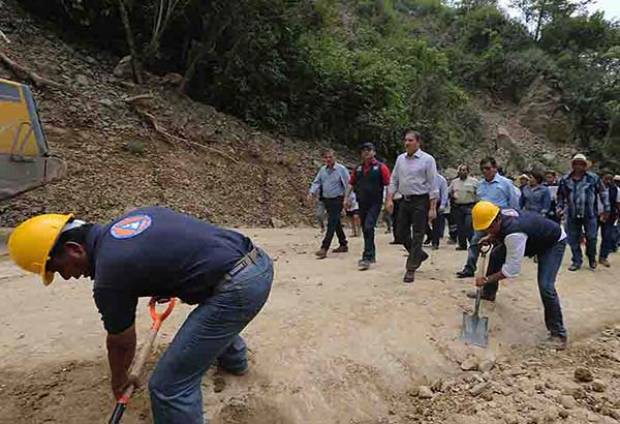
{"x": 31, "y": 242}
{"x": 483, "y": 214}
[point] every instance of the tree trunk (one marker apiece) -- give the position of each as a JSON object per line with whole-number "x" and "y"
{"x": 135, "y": 61}
{"x": 541, "y": 14}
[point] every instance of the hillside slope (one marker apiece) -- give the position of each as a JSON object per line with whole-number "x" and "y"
{"x": 203, "y": 162}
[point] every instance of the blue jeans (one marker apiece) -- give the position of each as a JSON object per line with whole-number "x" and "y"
{"x": 369, "y": 213}
{"x": 608, "y": 236}
{"x": 548, "y": 266}
{"x": 210, "y": 332}
{"x": 574, "y": 229}
{"x": 472, "y": 251}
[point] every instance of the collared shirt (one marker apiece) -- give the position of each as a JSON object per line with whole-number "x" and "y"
{"x": 155, "y": 251}
{"x": 579, "y": 197}
{"x": 464, "y": 191}
{"x": 499, "y": 191}
{"x": 443, "y": 192}
{"x": 415, "y": 174}
{"x": 331, "y": 181}
{"x": 537, "y": 199}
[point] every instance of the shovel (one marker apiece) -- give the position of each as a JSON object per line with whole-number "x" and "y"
{"x": 136, "y": 369}
{"x": 475, "y": 328}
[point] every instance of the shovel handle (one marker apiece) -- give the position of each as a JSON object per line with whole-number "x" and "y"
{"x": 482, "y": 269}
{"x": 138, "y": 365}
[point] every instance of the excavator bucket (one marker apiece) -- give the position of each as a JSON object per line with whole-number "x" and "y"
{"x": 25, "y": 160}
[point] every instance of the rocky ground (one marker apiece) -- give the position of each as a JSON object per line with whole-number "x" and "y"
{"x": 532, "y": 386}
{"x": 337, "y": 346}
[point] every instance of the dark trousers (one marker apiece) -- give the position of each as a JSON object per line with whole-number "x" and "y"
{"x": 437, "y": 227}
{"x": 369, "y": 213}
{"x": 548, "y": 266}
{"x": 412, "y": 219}
{"x": 334, "y": 225}
{"x": 608, "y": 236}
{"x": 464, "y": 228}
{"x": 452, "y": 228}
{"x": 574, "y": 228}
{"x": 395, "y": 221}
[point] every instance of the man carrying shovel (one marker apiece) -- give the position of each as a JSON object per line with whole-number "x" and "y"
{"x": 516, "y": 234}
{"x": 159, "y": 253}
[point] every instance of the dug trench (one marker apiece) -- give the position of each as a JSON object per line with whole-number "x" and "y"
{"x": 335, "y": 345}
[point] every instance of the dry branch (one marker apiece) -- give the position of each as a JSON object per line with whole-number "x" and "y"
{"x": 4, "y": 37}
{"x": 138, "y": 98}
{"x": 169, "y": 138}
{"x": 23, "y": 72}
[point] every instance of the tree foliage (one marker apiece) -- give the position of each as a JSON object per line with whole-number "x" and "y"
{"x": 356, "y": 70}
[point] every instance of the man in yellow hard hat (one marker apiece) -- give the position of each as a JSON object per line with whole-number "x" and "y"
{"x": 157, "y": 252}
{"x": 516, "y": 234}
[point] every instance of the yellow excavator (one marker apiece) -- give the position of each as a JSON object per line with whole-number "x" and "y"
{"x": 25, "y": 158}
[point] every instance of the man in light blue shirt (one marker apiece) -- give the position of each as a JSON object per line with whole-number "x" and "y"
{"x": 437, "y": 226}
{"x": 330, "y": 185}
{"x": 495, "y": 189}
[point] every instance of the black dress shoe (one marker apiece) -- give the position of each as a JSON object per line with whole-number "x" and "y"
{"x": 409, "y": 277}
{"x": 465, "y": 274}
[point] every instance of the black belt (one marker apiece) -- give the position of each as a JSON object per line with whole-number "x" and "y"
{"x": 414, "y": 196}
{"x": 465, "y": 204}
{"x": 250, "y": 258}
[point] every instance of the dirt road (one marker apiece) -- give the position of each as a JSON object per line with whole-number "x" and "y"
{"x": 333, "y": 345}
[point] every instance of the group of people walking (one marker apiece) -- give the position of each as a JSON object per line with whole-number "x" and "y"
{"x": 520, "y": 220}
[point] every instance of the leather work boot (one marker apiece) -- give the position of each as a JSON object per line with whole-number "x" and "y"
{"x": 604, "y": 262}
{"x": 321, "y": 253}
{"x": 473, "y": 293}
{"x": 341, "y": 249}
{"x": 409, "y": 277}
{"x": 466, "y": 273}
{"x": 592, "y": 263}
{"x": 557, "y": 342}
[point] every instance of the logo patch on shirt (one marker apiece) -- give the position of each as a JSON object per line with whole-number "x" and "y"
{"x": 510, "y": 212}
{"x": 131, "y": 226}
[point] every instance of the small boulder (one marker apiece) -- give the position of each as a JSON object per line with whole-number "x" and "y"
{"x": 599, "y": 386}
{"x": 469, "y": 364}
{"x": 583, "y": 375}
{"x": 424, "y": 392}
{"x": 568, "y": 402}
{"x": 486, "y": 365}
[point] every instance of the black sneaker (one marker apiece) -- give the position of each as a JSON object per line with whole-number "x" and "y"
{"x": 574, "y": 267}
{"x": 465, "y": 273}
{"x": 363, "y": 265}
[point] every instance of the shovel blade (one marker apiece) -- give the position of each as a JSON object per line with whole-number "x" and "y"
{"x": 475, "y": 330}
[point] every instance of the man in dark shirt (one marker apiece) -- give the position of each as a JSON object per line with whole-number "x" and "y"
{"x": 517, "y": 234}
{"x": 608, "y": 230}
{"x": 368, "y": 181}
{"x": 159, "y": 253}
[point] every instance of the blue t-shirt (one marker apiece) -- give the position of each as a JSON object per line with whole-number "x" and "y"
{"x": 155, "y": 251}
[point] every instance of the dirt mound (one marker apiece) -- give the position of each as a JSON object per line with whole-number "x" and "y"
{"x": 160, "y": 148}
{"x": 72, "y": 392}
